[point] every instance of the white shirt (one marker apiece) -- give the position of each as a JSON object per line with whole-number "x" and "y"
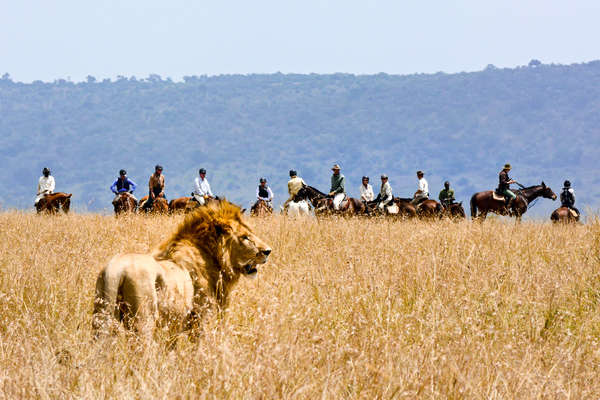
{"x": 46, "y": 185}
{"x": 423, "y": 186}
{"x": 270, "y": 194}
{"x": 366, "y": 193}
{"x": 386, "y": 191}
{"x": 202, "y": 187}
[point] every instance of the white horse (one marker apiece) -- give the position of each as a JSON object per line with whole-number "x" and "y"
{"x": 295, "y": 209}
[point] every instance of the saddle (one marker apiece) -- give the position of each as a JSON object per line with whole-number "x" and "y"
{"x": 498, "y": 196}
{"x": 573, "y": 213}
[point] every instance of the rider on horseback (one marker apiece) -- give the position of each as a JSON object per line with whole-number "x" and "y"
{"x": 504, "y": 185}
{"x": 46, "y": 185}
{"x": 567, "y": 197}
{"x": 337, "y": 190}
{"x": 202, "y": 190}
{"x": 123, "y": 185}
{"x": 446, "y": 195}
{"x": 366, "y": 190}
{"x": 294, "y": 185}
{"x": 156, "y": 186}
{"x": 422, "y": 193}
{"x": 264, "y": 193}
{"x": 385, "y": 193}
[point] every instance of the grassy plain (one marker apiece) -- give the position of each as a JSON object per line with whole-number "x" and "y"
{"x": 343, "y": 309}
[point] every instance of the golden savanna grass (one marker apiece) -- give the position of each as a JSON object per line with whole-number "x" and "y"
{"x": 343, "y": 309}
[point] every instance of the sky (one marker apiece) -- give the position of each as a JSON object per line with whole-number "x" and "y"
{"x": 71, "y": 39}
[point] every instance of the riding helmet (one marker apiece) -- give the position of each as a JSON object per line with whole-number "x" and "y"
{"x": 365, "y": 177}
{"x": 292, "y": 172}
{"x": 567, "y": 183}
{"x": 158, "y": 167}
{"x": 384, "y": 176}
{"x": 202, "y": 171}
{"x": 447, "y": 184}
{"x": 46, "y": 171}
{"x": 263, "y": 180}
{"x": 122, "y": 172}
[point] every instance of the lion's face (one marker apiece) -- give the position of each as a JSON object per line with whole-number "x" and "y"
{"x": 246, "y": 250}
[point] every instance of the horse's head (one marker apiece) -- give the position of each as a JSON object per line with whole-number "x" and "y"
{"x": 547, "y": 193}
{"x": 66, "y": 202}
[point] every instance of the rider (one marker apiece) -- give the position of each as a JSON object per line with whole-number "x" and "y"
{"x": 446, "y": 195}
{"x": 45, "y": 185}
{"x": 294, "y": 185}
{"x": 423, "y": 191}
{"x": 264, "y": 193}
{"x": 156, "y": 186}
{"x": 567, "y": 197}
{"x": 366, "y": 190}
{"x": 504, "y": 185}
{"x": 202, "y": 190}
{"x": 385, "y": 193}
{"x": 123, "y": 185}
{"x": 337, "y": 190}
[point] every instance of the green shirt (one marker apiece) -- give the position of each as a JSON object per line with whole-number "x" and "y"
{"x": 338, "y": 184}
{"x": 446, "y": 194}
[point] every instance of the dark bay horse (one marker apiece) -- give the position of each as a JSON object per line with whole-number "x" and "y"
{"x": 54, "y": 202}
{"x": 429, "y": 208}
{"x": 124, "y": 204}
{"x": 564, "y": 214}
{"x": 405, "y": 207}
{"x": 454, "y": 210}
{"x": 323, "y": 203}
{"x": 484, "y": 202}
{"x": 159, "y": 205}
{"x": 179, "y": 205}
{"x": 260, "y": 209}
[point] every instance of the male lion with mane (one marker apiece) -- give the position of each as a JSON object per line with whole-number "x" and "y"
{"x": 194, "y": 270}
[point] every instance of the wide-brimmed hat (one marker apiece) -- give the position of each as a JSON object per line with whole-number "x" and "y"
{"x": 335, "y": 167}
{"x": 507, "y": 166}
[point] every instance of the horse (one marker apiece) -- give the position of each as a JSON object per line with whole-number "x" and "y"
{"x": 454, "y": 210}
{"x": 323, "y": 203}
{"x": 429, "y": 208}
{"x": 179, "y": 205}
{"x": 54, "y": 202}
{"x": 125, "y": 203}
{"x": 261, "y": 209}
{"x": 405, "y": 208}
{"x": 484, "y": 202}
{"x": 159, "y": 205}
{"x": 297, "y": 208}
{"x": 565, "y": 215}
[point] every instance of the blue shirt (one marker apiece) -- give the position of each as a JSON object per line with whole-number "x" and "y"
{"x": 125, "y": 185}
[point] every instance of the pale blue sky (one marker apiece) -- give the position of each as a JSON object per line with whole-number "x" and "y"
{"x": 49, "y": 39}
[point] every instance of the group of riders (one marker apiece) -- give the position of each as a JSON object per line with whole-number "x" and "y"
{"x": 123, "y": 186}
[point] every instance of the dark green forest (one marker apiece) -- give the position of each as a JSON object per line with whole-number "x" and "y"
{"x": 543, "y": 119}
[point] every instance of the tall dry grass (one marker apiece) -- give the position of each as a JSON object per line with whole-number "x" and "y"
{"x": 343, "y": 309}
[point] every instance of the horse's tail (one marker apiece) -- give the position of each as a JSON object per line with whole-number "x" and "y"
{"x": 473, "y": 206}
{"x": 108, "y": 286}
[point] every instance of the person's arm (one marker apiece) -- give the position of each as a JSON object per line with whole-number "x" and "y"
{"x": 39, "y": 185}
{"x": 113, "y": 188}
{"x": 342, "y": 186}
{"x": 209, "y": 192}
{"x": 132, "y": 186}
{"x": 572, "y": 194}
{"x": 258, "y": 193}
{"x": 197, "y": 188}
{"x": 270, "y": 194}
{"x": 52, "y": 184}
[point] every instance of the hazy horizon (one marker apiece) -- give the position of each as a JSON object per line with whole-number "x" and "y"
{"x": 70, "y": 40}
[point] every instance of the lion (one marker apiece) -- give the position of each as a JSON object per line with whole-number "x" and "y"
{"x": 191, "y": 272}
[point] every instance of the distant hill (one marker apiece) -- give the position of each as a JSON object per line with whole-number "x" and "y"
{"x": 544, "y": 119}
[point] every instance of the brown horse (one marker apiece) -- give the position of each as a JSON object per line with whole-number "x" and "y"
{"x": 323, "y": 203}
{"x": 484, "y": 202}
{"x": 179, "y": 205}
{"x": 261, "y": 209}
{"x": 54, "y": 202}
{"x": 565, "y": 215}
{"x": 159, "y": 205}
{"x": 429, "y": 208}
{"x": 125, "y": 203}
{"x": 454, "y": 211}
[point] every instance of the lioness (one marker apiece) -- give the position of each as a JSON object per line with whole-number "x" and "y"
{"x": 193, "y": 270}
